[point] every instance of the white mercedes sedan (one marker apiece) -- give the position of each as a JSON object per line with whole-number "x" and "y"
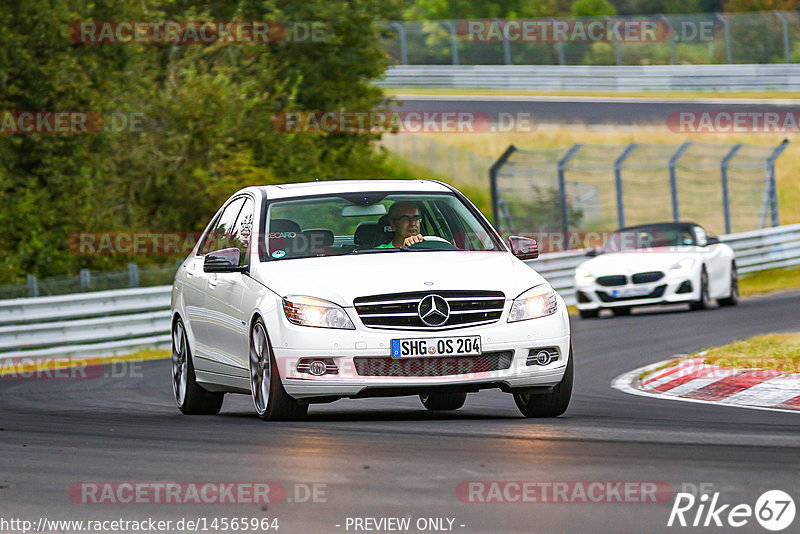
{"x": 312, "y": 292}
{"x": 662, "y": 263}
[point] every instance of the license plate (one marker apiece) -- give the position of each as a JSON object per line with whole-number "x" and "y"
{"x": 441, "y": 346}
{"x": 631, "y": 292}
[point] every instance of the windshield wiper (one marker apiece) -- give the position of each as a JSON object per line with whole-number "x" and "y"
{"x": 376, "y": 250}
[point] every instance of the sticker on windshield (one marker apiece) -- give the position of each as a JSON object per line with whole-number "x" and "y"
{"x": 278, "y": 254}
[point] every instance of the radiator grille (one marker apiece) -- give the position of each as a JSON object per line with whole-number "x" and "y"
{"x": 435, "y": 366}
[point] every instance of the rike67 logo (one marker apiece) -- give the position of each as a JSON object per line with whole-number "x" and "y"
{"x": 774, "y": 510}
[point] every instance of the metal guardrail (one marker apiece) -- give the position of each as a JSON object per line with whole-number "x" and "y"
{"x": 120, "y": 321}
{"x": 749, "y": 77}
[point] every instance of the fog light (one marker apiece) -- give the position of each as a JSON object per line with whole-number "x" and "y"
{"x": 317, "y": 368}
{"x": 543, "y": 357}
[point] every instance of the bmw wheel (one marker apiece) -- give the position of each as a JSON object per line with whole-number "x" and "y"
{"x": 733, "y": 299}
{"x": 705, "y": 298}
{"x": 269, "y": 396}
{"x": 191, "y": 398}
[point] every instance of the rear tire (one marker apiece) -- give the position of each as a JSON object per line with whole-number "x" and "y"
{"x": 550, "y": 404}
{"x": 270, "y": 399}
{"x": 621, "y": 311}
{"x": 443, "y": 401}
{"x": 733, "y": 299}
{"x": 589, "y": 314}
{"x": 190, "y": 397}
{"x": 705, "y": 298}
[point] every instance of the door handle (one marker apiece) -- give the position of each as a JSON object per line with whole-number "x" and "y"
{"x": 212, "y": 281}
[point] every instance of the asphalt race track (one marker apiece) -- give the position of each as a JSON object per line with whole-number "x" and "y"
{"x": 617, "y": 111}
{"x": 389, "y": 457}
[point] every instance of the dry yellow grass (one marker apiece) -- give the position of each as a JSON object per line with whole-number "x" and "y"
{"x": 493, "y": 144}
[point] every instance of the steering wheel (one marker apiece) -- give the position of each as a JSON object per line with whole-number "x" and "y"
{"x": 432, "y": 242}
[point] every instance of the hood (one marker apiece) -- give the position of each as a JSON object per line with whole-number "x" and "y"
{"x": 634, "y": 262}
{"x": 340, "y": 279}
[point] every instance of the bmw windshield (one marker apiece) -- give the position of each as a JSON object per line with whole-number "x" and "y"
{"x": 373, "y": 223}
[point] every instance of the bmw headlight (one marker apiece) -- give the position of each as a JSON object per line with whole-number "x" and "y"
{"x": 682, "y": 268}
{"x": 539, "y": 301}
{"x": 309, "y": 311}
{"x": 582, "y": 276}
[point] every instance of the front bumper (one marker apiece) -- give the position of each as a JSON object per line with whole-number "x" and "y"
{"x": 291, "y": 343}
{"x": 666, "y": 291}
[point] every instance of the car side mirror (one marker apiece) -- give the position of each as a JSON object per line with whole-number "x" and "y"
{"x": 524, "y": 248}
{"x": 592, "y": 252}
{"x": 712, "y": 240}
{"x": 225, "y": 260}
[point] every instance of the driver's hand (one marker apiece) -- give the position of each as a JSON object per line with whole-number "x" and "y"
{"x": 413, "y": 239}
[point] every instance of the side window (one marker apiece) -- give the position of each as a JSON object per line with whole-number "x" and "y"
{"x": 242, "y": 231}
{"x": 219, "y": 237}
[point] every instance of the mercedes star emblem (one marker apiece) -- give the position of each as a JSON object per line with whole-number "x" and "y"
{"x": 433, "y": 310}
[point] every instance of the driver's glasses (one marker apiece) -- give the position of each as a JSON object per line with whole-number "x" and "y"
{"x": 408, "y": 218}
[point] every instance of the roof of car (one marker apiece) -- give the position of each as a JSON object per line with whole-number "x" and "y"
{"x": 352, "y": 186}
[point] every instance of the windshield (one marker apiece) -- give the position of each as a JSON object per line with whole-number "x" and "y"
{"x": 646, "y": 237}
{"x": 373, "y": 223}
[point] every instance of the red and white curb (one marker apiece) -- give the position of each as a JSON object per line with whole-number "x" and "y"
{"x": 692, "y": 380}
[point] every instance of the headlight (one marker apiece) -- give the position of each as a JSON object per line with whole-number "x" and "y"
{"x": 538, "y": 301}
{"x": 308, "y": 311}
{"x": 582, "y": 276}
{"x": 682, "y": 268}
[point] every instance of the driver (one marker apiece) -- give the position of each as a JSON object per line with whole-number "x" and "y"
{"x": 405, "y": 219}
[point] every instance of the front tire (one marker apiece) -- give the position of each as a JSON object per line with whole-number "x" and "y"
{"x": 733, "y": 299}
{"x": 705, "y": 298}
{"x": 443, "y": 401}
{"x": 550, "y": 404}
{"x": 190, "y": 397}
{"x": 270, "y": 399}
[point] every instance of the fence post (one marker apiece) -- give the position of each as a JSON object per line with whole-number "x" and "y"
{"x": 785, "y": 25}
{"x": 559, "y": 47}
{"x": 726, "y": 29}
{"x": 33, "y": 286}
{"x": 618, "y": 180}
{"x": 562, "y": 187}
{"x": 726, "y": 207}
{"x": 86, "y": 279}
{"x": 493, "y": 170}
{"x": 401, "y": 33}
{"x": 672, "y": 54}
{"x": 673, "y": 179}
{"x": 617, "y": 48}
{"x": 133, "y": 275}
{"x": 773, "y": 191}
{"x": 453, "y": 40}
{"x": 506, "y": 45}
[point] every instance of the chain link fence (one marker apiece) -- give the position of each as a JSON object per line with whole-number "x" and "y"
{"x": 133, "y": 276}
{"x": 724, "y": 187}
{"x": 707, "y": 38}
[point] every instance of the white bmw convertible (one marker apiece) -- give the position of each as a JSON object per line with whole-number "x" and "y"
{"x": 664, "y": 263}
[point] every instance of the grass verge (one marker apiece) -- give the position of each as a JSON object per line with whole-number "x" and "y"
{"x": 26, "y": 366}
{"x": 776, "y": 352}
{"x": 768, "y": 281}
